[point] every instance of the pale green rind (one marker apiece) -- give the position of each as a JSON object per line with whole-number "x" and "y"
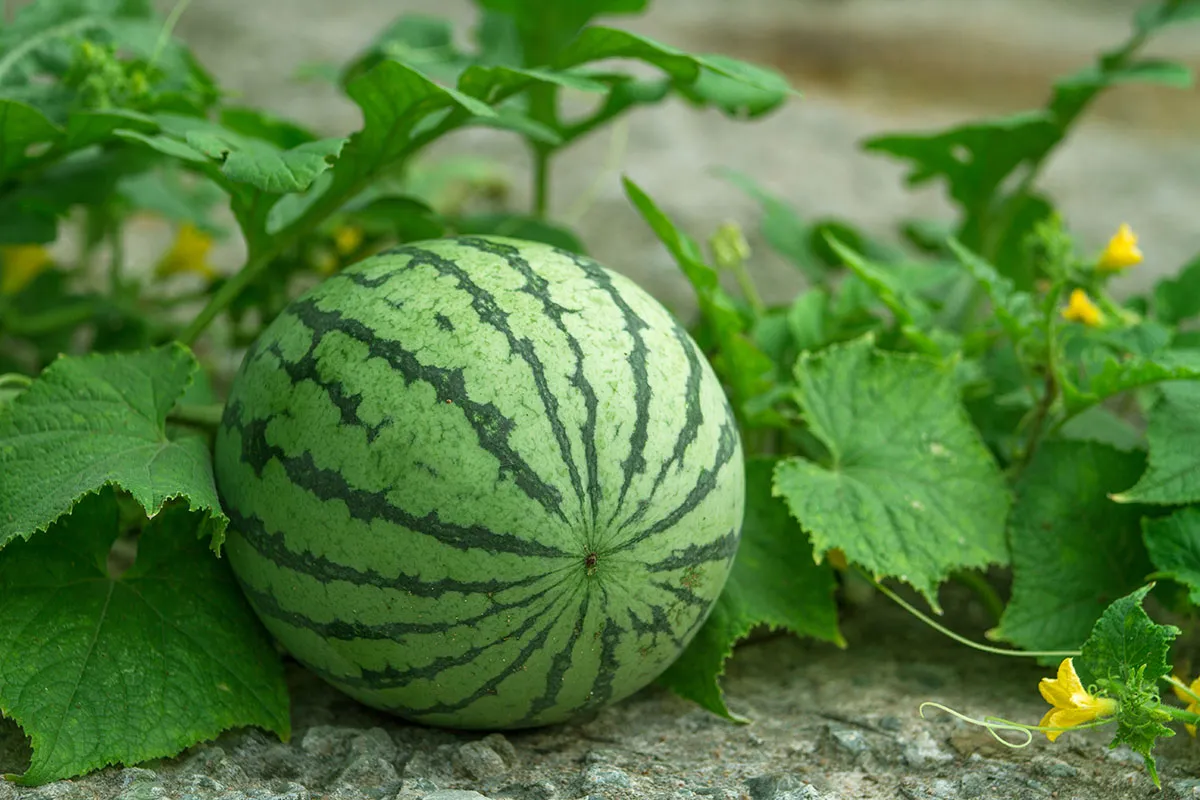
{"x": 421, "y": 454}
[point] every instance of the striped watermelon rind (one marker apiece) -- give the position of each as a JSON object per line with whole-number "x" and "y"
{"x": 480, "y": 483}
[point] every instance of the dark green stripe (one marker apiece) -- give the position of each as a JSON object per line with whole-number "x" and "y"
{"x": 561, "y": 662}
{"x": 347, "y": 405}
{"x": 656, "y": 626}
{"x": 635, "y": 462}
{"x": 602, "y": 685}
{"x": 368, "y": 506}
{"x": 723, "y": 549}
{"x": 706, "y": 482}
{"x": 693, "y": 418}
{"x": 492, "y": 428}
{"x": 272, "y": 547}
{"x": 267, "y": 605}
{"x": 539, "y": 288}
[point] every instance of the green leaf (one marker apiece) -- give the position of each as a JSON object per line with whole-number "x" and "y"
{"x": 911, "y": 313}
{"x": 1126, "y": 655}
{"x": 22, "y": 128}
{"x": 1178, "y": 298}
{"x": 739, "y": 89}
{"x": 1014, "y": 309}
{"x": 104, "y": 419}
{"x": 86, "y": 128}
{"x": 1121, "y": 375}
{"x": 1073, "y": 551}
{"x": 394, "y": 99}
{"x": 1173, "y": 430}
{"x": 1174, "y": 546}
{"x": 685, "y": 69}
{"x": 486, "y": 82}
{"x": 1124, "y": 640}
{"x": 775, "y": 581}
{"x": 974, "y": 158}
{"x": 910, "y": 490}
{"x": 423, "y": 42}
{"x": 544, "y": 29}
{"x": 255, "y": 162}
{"x": 100, "y": 669}
{"x": 1157, "y": 15}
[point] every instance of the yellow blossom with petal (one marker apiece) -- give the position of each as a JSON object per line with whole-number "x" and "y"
{"x": 347, "y": 238}
{"x": 1080, "y": 308}
{"x": 1193, "y": 703}
{"x": 1122, "y": 251}
{"x": 21, "y": 263}
{"x": 1072, "y": 704}
{"x": 188, "y": 254}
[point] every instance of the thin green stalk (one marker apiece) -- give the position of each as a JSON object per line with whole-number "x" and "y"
{"x": 168, "y": 27}
{"x": 942, "y": 629}
{"x": 543, "y": 107}
{"x": 207, "y": 417}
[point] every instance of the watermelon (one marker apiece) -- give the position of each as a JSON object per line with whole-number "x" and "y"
{"x": 480, "y": 483}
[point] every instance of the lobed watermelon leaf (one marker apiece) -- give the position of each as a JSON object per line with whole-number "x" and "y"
{"x": 1173, "y": 544}
{"x": 103, "y": 417}
{"x": 775, "y": 581}
{"x": 1073, "y": 550}
{"x": 910, "y": 490}
{"x": 22, "y": 127}
{"x": 1173, "y": 430}
{"x": 99, "y": 668}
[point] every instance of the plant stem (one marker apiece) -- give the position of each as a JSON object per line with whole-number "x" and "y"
{"x": 942, "y": 629}
{"x": 207, "y": 417}
{"x": 330, "y": 202}
{"x": 543, "y": 101}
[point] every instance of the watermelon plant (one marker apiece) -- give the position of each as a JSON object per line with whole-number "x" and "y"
{"x": 420, "y": 442}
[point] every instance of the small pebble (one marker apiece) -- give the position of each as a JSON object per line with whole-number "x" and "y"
{"x": 479, "y": 761}
{"x": 599, "y": 777}
{"x": 455, "y": 794}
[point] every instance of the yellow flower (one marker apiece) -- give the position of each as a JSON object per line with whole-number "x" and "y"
{"x": 1073, "y": 705}
{"x": 1080, "y": 308}
{"x": 1122, "y": 251}
{"x": 189, "y": 253}
{"x": 21, "y": 264}
{"x": 347, "y": 238}
{"x": 1193, "y": 704}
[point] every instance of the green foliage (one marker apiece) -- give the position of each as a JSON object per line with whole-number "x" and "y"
{"x": 775, "y": 582}
{"x": 1073, "y": 549}
{"x": 889, "y": 411}
{"x": 908, "y": 489}
{"x": 104, "y": 419}
{"x": 1126, "y": 655}
{"x": 101, "y": 668}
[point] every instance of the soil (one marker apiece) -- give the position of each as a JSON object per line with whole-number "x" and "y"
{"x": 826, "y": 724}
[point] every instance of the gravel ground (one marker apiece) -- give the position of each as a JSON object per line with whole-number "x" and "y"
{"x": 827, "y": 724}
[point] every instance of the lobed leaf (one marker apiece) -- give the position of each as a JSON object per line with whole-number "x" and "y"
{"x": 1173, "y": 430}
{"x": 1173, "y": 544}
{"x": 1073, "y": 550}
{"x": 101, "y": 669}
{"x": 775, "y": 581}
{"x": 910, "y": 491}
{"x": 103, "y": 417}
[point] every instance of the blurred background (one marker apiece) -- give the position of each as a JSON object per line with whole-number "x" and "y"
{"x": 864, "y": 67}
